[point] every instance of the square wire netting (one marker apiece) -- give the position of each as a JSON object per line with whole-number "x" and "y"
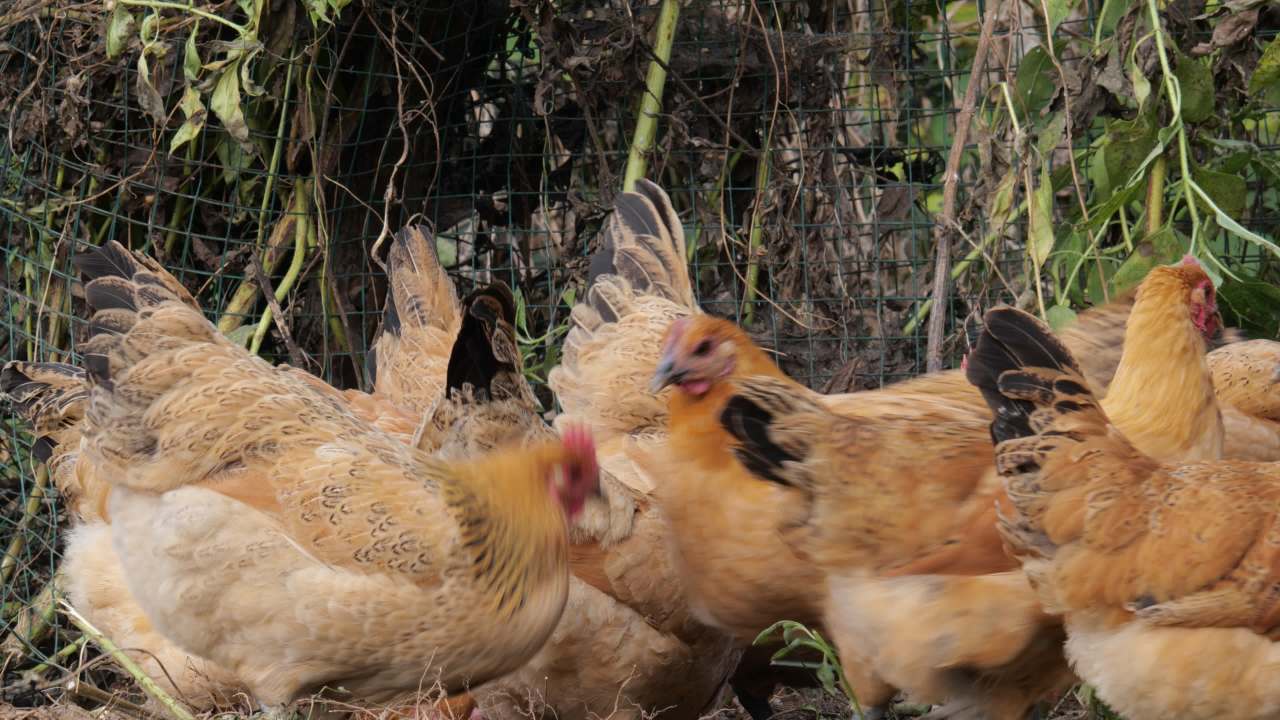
{"x": 804, "y": 143}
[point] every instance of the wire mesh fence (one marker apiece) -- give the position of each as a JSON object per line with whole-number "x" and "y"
{"x": 805, "y": 144}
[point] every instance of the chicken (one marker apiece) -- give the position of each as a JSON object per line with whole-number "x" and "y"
{"x": 975, "y": 638}
{"x": 627, "y": 646}
{"x": 1172, "y": 400}
{"x": 1164, "y": 572}
{"x": 1246, "y": 380}
{"x": 340, "y": 557}
{"x": 487, "y": 401}
{"x": 52, "y": 398}
{"x": 421, "y": 320}
{"x": 1168, "y": 405}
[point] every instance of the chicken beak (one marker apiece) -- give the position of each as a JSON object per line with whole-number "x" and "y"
{"x": 665, "y": 375}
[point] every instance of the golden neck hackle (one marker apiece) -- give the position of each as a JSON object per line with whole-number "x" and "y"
{"x": 513, "y": 528}
{"x": 1162, "y": 396}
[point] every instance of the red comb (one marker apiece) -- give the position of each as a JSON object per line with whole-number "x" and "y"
{"x": 577, "y": 439}
{"x": 1190, "y": 259}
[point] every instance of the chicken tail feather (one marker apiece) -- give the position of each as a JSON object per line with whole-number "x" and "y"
{"x": 485, "y": 354}
{"x": 638, "y": 284}
{"x": 420, "y": 296}
{"x": 48, "y": 396}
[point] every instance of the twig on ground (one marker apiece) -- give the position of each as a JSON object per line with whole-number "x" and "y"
{"x": 149, "y": 686}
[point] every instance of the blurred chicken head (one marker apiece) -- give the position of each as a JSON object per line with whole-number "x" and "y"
{"x": 1201, "y": 297}
{"x": 577, "y": 475}
{"x": 697, "y": 352}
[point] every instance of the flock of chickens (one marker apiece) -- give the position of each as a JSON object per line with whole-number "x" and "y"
{"x": 246, "y": 530}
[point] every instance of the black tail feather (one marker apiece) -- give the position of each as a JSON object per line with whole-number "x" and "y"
{"x": 1012, "y": 339}
{"x": 473, "y": 360}
{"x": 109, "y": 260}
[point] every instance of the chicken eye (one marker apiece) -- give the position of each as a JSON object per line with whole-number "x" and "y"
{"x": 703, "y": 348}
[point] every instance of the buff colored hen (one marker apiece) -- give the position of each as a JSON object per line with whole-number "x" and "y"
{"x": 1164, "y": 572}
{"x": 250, "y": 510}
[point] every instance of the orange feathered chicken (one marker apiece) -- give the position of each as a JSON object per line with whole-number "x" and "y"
{"x": 1164, "y": 572}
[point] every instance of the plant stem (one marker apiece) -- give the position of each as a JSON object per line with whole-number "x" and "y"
{"x": 29, "y": 511}
{"x": 161, "y": 5}
{"x": 651, "y": 102}
{"x": 1155, "y": 195}
{"x": 301, "y": 208}
{"x": 67, "y": 651}
{"x": 1175, "y": 105}
{"x": 149, "y": 686}
{"x": 757, "y": 231}
{"x": 34, "y": 621}
{"x": 946, "y": 224}
{"x": 242, "y": 300}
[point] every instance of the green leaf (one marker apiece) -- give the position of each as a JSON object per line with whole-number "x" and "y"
{"x": 1002, "y": 203}
{"x": 1051, "y": 133}
{"x": 191, "y": 58}
{"x": 1228, "y": 191}
{"x": 1103, "y": 213}
{"x": 1228, "y": 223}
{"x": 1195, "y": 79}
{"x": 195, "y": 112}
{"x": 317, "y": 10}
{"x": 1060, "y": 316}
{"x": 232, "y": 160}
{"x": 119, "y": 29}
{"x": 1100, "y": 279}
{"x": 1264, "y": 85}
{"x": 251, "y": 88}
{"x": 1057, "y": 12}
{"x": 225, "y": 103}
{"x": 1040, "y": 211}
{"x": 1128, "y": 144}
{"x": 149, "y": 31}
{"x": 1035, "y": 84}
{"x": 1160, "y": 248}
{"x": 827, "y": 677}
{"x": 1141, "y": 86}
{"x": 1252, "y": 305}
{"x": 1112, "y": 11}
{"x": 241, "y": 335}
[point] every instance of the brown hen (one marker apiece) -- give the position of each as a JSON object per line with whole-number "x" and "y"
{"x": 1164, "y": 572}
{"x": 628, "y": 645}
